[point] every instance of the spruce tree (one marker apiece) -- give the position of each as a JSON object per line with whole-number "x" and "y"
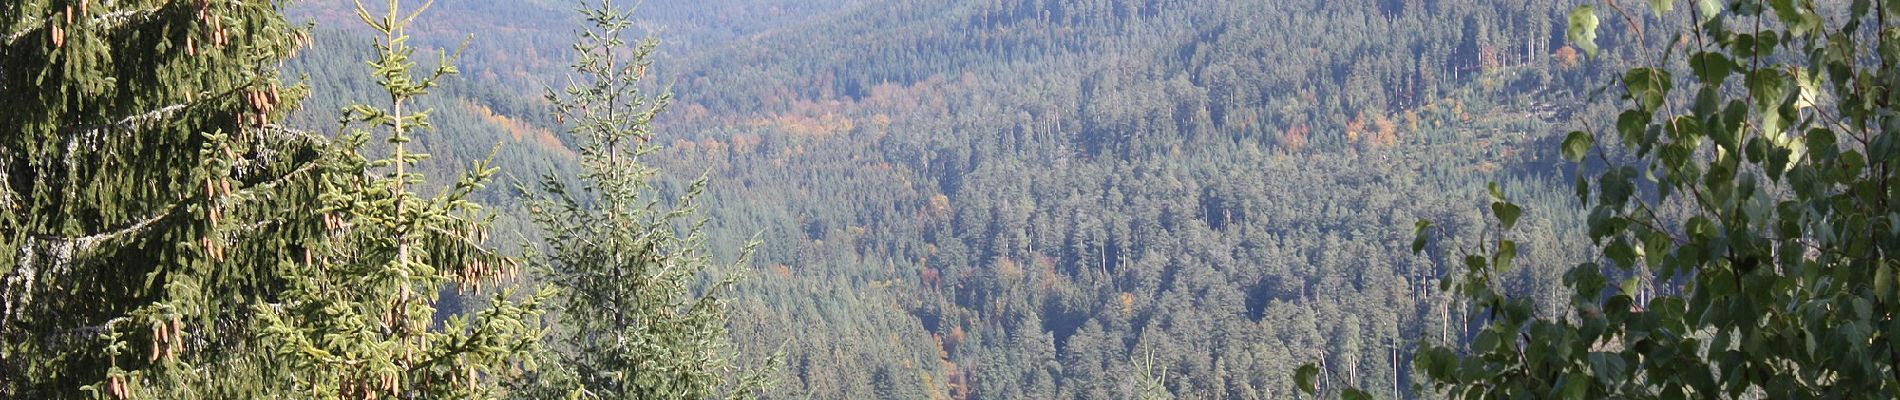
{"x": 357, "y": 317}
{"x": 634, "y": 323}
{"x": 146, "y": 193}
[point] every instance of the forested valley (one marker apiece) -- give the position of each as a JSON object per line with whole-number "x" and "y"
{"x": 910, "y": 199}
{"x": 1046, "y": 199}
{"x": 1049, "y": 199}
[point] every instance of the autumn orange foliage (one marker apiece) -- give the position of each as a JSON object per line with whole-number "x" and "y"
{"x": 1294, "y": 138}
{"x": 520, "y": 131}
{"x": 1567, "y": 57}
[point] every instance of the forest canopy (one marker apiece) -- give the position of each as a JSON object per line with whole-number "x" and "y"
{"x": 1047, "y": 199}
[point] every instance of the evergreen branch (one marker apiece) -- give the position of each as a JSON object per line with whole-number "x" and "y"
{"x": 59, "y": 254}
{"x": 100, "y": 24}
{"x": 64, "y": 248}
{"x": 133, "y": 122}
{"x": 297, "y": 133}
{"x": 158, "y": 115}
{"x": 7, "y": 196}
{"x": 464, "y": 240}
{"x": 91, "y": 135}
{"x": 66, "y": 338}
{"x": 244, "y": 193}
{"x": 79, "y": 245}
{"x": 284, "y": 134}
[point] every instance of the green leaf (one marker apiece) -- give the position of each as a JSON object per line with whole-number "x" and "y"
{"x": 1577, "y": 145}
{"x": 1576, "y": 386}
{"x": 1883, "y": 282}
{"x": 1798, "y": 22}
{"x": 1662, "y": 6}
{"x": 1420, "y": 234}
{"x": 1711, "y": 67}
{"x": 1808, "y": 91}
{"x": 1615, "y": 188}
{"x": 1608, "y": 366}
{"x": 1648, "y": 86}
{"x": 1583, "y": 189}
{"x": 1507, "y": 252}
{"x": 1587, "y": 281}
{"x": 1630, "y": 125}
{"x": 1583, "y": 29}
{"x": 1709, "y": 8}
{"x": 1507, "y": 213}
{"x": 1655, "y": 246}
{"x": 1621, "y": 252}
{"x": 1304, "y": 377}
{"x": 1354, "y": 394}
{"x": 1772, "y": 123}
{"x": 1768, "y": 87}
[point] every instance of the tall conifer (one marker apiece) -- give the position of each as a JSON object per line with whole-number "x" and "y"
{"x": 146, "y": 193}
{"x": 357, "y": 316}
{"x": 633, "y": 324}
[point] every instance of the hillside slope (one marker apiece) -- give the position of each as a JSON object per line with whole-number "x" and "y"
{"x": 1033, "y": 199}
{"x": 1052, "y": 198}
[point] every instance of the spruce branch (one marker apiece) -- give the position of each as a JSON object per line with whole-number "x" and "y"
{"x": 104, "y": 23}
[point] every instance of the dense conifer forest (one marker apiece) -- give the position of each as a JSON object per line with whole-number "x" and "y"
{"x": 941, "y": 199}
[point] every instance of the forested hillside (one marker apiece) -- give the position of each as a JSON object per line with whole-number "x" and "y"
{"x": 1046, "y": 199}
{"x": 1037, "y": 199}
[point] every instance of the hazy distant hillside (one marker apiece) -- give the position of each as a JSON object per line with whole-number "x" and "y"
{"x": 510, "y": 51}
{"x": 1021, "y": 199}
{"x": 694, "y": 25}
{"x": 1254, "y": 65}
{"x": 1031, "y": 198}
{"x": 523, "y": 44}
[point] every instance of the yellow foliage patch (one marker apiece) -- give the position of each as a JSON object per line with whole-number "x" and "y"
{"x": 521, "y": 131}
